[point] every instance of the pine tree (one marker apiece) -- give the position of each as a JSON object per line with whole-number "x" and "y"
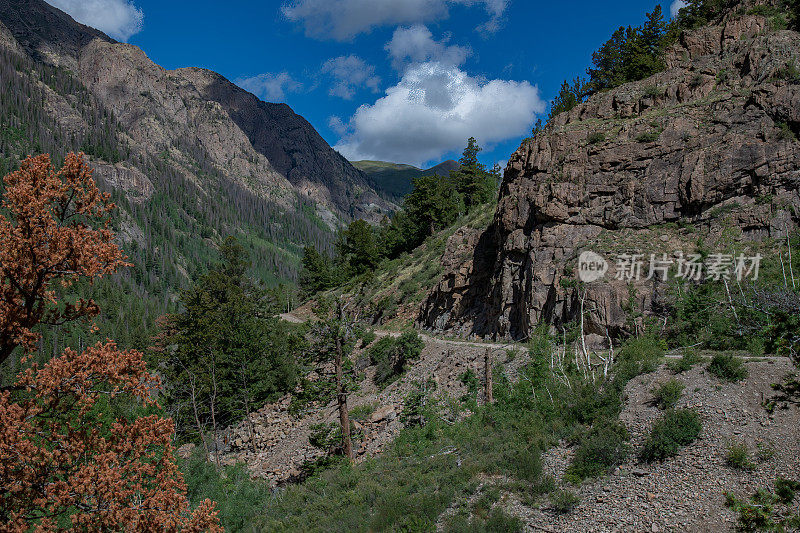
{"x": 475, "y": 185}
{"x": 568, "y": 96}
{"x": 433, "y": 204}
{"x": 225, "y": 353}
{"x": 316, "y": 274}
{"x": 357, "y": 248}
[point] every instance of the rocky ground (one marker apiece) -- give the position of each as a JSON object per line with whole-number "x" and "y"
{"x": 282, "y": 440}
{"x": 684, "y": 493}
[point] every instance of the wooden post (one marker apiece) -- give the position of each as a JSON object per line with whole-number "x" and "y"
{"x": 341, "y": 396}
{"x": 487, "y": 376}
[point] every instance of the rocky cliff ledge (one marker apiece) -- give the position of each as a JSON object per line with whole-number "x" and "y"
{"x": 706, "y": 149}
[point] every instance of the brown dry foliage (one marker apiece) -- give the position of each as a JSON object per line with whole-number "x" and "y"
{"x": 56, "y": 231}
{"x": 63, "y": 461}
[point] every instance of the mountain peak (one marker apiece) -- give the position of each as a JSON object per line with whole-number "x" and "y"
{"x": 45, "y": 31}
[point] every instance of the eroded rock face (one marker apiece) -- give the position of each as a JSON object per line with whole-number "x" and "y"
{"x": 709, "y": 145}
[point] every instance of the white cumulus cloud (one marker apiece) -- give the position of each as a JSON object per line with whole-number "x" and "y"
{"x": 344, "y": 19}
{"x": 270, "y": 87}
{"x": 433, "y": 110}
{"x": 415, "y": 44}
{"x": 676, "y": 6}
{"x": 119, "y": 19}
{"x": 350, "y": 73}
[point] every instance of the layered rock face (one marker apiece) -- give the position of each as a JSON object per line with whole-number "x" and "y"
{"x": 708, "y": 148}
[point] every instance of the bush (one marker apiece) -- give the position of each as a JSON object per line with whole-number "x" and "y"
{"x": 596, "y": 137}
{"x": 640, "y": 355}
{"x": 649, "y": 137}
{"x": 367, "y": 337}
{"x": 785, "y": 490}
{"x": 391, "y": 355}
{"x": 590, "y": 403}
{"x": 677, "y": 428}
{"x": 240, "y": 498}
{"x": 600, "y": 450}
{"x": 667, "y": 394}
{"x": 767, "y": 511}
{"x": 653, "y": 91}
{"x": 564, "y": 501}
{"x": 789, "y": 72}
{"x": 786, "y": 133}
{"x": 728, "y": 367}
{"x": 497, "y": 522}
{"x": 738, "y": 456}
{"x": 689, "y": 358}
{"x": 362, "y": 412}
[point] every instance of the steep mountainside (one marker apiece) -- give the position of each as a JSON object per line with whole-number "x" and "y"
{"x": 250, "y": 157}
{"x": 395, "y": 179}
{"x": 706, "y": 150}
{"x": 293, "y": 147}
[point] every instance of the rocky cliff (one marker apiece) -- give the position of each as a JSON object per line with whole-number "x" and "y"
{"x": 707, "y": 149}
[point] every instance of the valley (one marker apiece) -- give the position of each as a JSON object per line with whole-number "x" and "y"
{"x": 212, "y": 318}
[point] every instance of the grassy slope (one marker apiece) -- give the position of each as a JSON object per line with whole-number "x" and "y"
{"x": 395, "y": 290}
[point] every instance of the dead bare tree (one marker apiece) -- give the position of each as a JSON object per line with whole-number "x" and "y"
{"x": 487, "y": 377}
{"x": 200, "y": 431}
{"x": 789, "y": 246}
{"x": 341, "y": 394}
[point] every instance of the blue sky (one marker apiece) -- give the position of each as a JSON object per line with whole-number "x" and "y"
{"x": 399, "y": 80}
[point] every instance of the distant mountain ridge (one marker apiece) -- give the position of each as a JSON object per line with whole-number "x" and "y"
{"x": 217, "y": 156}
{"x": 395, "y": 178}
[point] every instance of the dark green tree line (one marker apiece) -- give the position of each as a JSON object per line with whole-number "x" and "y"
{"x": 225, "y": 353}
{"x": 434, "y": 203}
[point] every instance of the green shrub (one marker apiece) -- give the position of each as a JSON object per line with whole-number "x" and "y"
{"x": 728, "y": 367}
{"x": 417, "y": 409}
{"x": 239, "y": 498}
{"x": 789, "y": 72}
{"x": 564, "y": 501}
{"x": 596, "y": 137}
{"x": 590, "y": 403}
{"x": 471, "y": 381}
{"x": 785, "y": 490}
{"x": 390, "y": 355}
{"x": 640, "y": 355}
{"x": 667, "y": 394}
{"x": 367, "y": 337}
{"x": 689, "y": 358}
{"x": 600, "y": 450}
{"x": 648, "y": 137}
{"x": 738, "y": 456}
{"x": 786, "y": 133}
{"x": 756, "y": 346}
{"x": 653, "y": 91}
{"x": 767, "y": 511}
{"x": 497, "y": 521}
{"x": 677, "y": 428}
{"x": 362, "y": 412}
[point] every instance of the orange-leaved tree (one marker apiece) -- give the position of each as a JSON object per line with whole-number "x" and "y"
{"x": 65, "y": 460}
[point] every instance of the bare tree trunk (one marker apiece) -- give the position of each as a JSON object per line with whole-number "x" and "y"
{"x": 789, "y": 246}
{"x": 487, "y": 377}
{"x": 341, "y": 396}
{"x": 197, "y": 418}
{"x": 213, "y": 411}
